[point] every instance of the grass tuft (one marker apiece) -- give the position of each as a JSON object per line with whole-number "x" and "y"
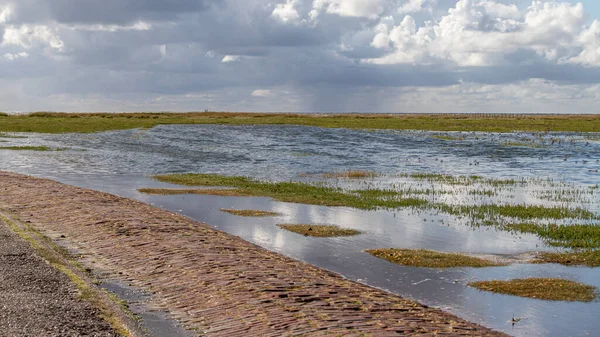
{"x": 550, "y": 289}
{"x": 430, "y": 259}
{"x": 26, "y": 148}
{"x": 590, "y": 258}
{"x": 250, "y": 212}
{"x": 321, "y": 231}
{"x": 174, "y": 191}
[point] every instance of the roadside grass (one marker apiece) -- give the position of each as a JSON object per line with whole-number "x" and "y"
{"x": 249, "y": 212}
{"x": 46, "y": 122}
{"x": 430, "y": 259}
{"x": 550, "y": 289}
{"x": 59, "y": 258}
{"x": 321, "y": 231}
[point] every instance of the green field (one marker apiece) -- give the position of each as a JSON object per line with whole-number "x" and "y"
{"x": 43, "y": 122}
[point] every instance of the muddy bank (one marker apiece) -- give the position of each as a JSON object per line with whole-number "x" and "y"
{"x": 213, "y": 282}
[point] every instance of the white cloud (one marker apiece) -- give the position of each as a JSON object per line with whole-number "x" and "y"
{"x": 230, "y": 58}
{"x": 351, "y": 8}
{"x": 262, "y": 93}
{"x": 12, "y": 57}
{"x": 590, "y": 40}
{"x": 483, "y": 33}
{"x": 138, "y": 26}
{"x": 412, "y": 6}
{"x": 29, "y": 36}
{"x": 286, "y": 12}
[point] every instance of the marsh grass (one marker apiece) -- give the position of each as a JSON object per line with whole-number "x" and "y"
{"x": 430, "y": 259}
{"x": 321, "y": 231}
{"x": 295, "y": 192}
{"x": 350, "y": 174}
{"x": 590, "y": 258}
{"x": 551, "y": 289}
{"x": 568, "y": 236}
{"x": 28, "y": 148}
{"x": 4, "y": 135}
{"x": 46, "y": 122}
{"x": 250, "y": 212}
{"x": 175, "y": 191}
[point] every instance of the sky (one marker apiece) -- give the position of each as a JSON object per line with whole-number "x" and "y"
{"x": 300, "y": 55}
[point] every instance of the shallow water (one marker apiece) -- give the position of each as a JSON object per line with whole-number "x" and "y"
{"x": 120, "y": 162}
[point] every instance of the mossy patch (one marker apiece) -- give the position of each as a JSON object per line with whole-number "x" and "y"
{"x": 551, "y": 289}
{"x": 250, "y": 212}
{"x": 430, "y": 259}
{"x": 322, "y": 231}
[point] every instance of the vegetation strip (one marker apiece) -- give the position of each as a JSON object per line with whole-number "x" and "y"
{"x": 87, "y": 122}
{"x": 590, "y": 258}
{"x": 250, "y": 212}
{"x": 319, "y": 231}
{"x": 174, "y": 191}
{"x": 214, "y": 282}
{"x": 550, "y": 289}
{"x": 26, "y": 148}
{"x": 60, "y": 259}
{"x": 430, "y": 259}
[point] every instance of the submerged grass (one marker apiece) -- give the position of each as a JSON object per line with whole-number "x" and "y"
{"x": 351, "y": 174}
{"x": 550, "y": 289}
{"x": 321, "y": 231}
{"x": 69, "y": 122}
{"x": 296, "y": 192}
{"x": 430, "y": 259}
{"x": 250, "y": 212}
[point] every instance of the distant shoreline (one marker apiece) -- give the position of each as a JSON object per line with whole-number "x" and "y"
{"x": 53, "y": 122}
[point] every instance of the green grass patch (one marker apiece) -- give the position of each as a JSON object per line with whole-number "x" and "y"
{"x": 321, "y": 231}
{"x": 568, "y": 236}
{"x": 27, "y": 148}
{"x": 589, "y": 258}
{"x": 350, "y": 174}
{"x": 430, "y": 259}
{"x": 175, "y": 191}
{"x": 45, "y": 122}
{"x": 249, "y": 212}
{"x": 490, "y": 212}
{"x": 296, "y": 192}
{"x": 550, "y": 289}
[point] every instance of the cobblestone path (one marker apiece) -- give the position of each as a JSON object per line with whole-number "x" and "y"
{"x": 211, "y": 281}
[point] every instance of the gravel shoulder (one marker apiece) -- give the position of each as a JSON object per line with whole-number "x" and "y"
{"x": 36, "y": 299}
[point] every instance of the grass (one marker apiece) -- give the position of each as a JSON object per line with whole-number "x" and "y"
{"x": 568, "y": 236}
{"x": 590, "y": 258}
{"x": 175, "y": 191}
{"x": 550, "y": 289}
{"x": 430, "y": 259}
{"x": 250, "y": 212}
{"x": 45, "y": 122}
{"x": 4, "y": 135}
{"x": 491, "y": 211}
{"x": 295, "y": 192}
{"x": 321, "y": 231}
{"x": 350, "y": 174}
{"x": 27, "y": 148}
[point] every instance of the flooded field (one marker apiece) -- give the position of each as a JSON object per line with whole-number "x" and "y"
{"x": 473, "y": 188}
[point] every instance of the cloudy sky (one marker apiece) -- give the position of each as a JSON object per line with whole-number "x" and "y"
{"x": 300, "y": 55}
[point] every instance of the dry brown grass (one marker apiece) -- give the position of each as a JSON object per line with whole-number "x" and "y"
{"x": 430, "y": 259}
{"x": 321, "y": 231}
{"x": 550, "y": 289}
